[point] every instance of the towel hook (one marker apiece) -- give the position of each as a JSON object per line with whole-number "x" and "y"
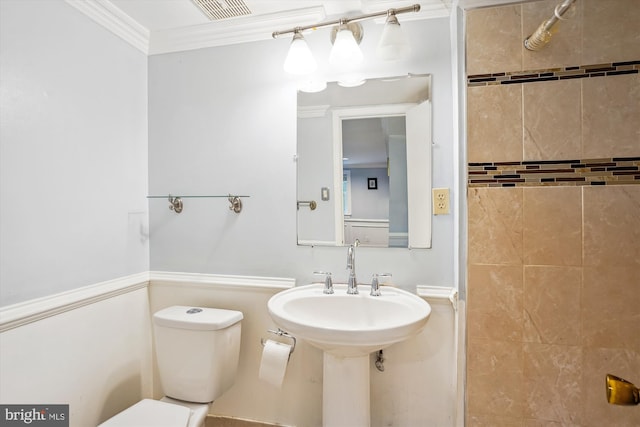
{"x": 236, "y": 203}
{"x": 175, "y": 204}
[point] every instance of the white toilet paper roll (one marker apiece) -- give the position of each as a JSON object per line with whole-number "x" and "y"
{"x": 273, "y": 366}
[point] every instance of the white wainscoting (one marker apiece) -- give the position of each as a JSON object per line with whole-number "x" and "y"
{"x": 419, "y": 383}
{"x": 369, "y": 232}
{"x": 299, "y": 401}
{"x": 89, "y": 348}
{"x": 92, "y": 348}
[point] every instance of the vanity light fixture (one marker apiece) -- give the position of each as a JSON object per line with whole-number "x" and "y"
{"x": 299, "y": 60}
{"x": 393, "y": 44}
{"x": 346, "y": 36}
{"x": 345, "y": 51}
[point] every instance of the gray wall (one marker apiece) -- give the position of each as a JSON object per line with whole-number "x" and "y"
{"x": 73, "y": 152}
{"x": 224, "y": 120}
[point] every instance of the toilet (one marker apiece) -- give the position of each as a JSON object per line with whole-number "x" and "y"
{"x": 197, "y": 350}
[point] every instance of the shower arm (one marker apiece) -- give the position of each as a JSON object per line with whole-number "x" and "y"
{"x": 542, "y": 35}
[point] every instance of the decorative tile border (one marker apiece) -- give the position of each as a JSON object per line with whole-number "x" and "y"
{"x": 608, "y": 171}
{"x": 576, "y": 72}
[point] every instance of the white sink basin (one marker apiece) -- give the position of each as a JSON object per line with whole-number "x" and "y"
{"x": 349, "y": 325}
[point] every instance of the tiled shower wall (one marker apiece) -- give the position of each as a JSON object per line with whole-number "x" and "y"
{"x": 553, "y": 215}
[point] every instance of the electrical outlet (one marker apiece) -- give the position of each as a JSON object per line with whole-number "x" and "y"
{"x": 440, "y": 201}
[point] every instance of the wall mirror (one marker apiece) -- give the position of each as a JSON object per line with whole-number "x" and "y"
{"x": 364, "y": 164}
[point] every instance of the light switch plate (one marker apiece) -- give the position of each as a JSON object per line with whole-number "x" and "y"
{"x": 324, "y": 193}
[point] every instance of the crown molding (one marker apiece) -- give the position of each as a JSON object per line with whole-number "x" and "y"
{"x": 312, "y": 111}
{"x": 115, "y": 20}
{"x": 429, "y": 9}
{"x": 233, "y": 31}
{"x": 228, "y": 32}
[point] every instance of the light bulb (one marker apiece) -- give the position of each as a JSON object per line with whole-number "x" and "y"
{"x": 312, "y": 85}
{"x": 345, "y": 50}
{"x": 351, "y": 80}
{"x": 393, "y": 43}
{"x": 299, "y": 60}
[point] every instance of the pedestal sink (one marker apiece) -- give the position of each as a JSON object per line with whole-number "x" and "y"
{"x": 348, "y": 328}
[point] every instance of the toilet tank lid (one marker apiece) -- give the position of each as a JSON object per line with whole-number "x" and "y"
{"x": 196, "y": 318}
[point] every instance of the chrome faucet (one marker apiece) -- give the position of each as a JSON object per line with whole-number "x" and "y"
{"x": 375, "y": 283}
{"x": 328, "y": 282}
{"x": 352, "y": 286}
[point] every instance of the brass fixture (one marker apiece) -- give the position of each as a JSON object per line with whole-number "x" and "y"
{"x": 311, "y": 203}
{"x": 621, "y": 392}
{"x": 542, "y": 35}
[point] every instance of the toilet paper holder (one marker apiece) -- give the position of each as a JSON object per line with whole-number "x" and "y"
{"x": 284, "y": 334}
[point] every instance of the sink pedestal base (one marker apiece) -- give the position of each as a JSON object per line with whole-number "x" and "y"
{"x": 345, "y": 391}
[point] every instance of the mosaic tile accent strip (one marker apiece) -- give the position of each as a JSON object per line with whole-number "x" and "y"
{"x": 577, "y": 72}
{"x": 609, "y": 171}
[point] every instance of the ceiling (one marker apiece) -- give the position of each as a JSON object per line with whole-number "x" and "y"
{"x": 163, "y": 26}
{"x": 157, "y": 15}
{"x": 170, "y": 14}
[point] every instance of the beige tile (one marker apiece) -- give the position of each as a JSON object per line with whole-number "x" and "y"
{"x": 611, "y": 116}
{"x": 494, "y": 123}
{"x": 553, "y": 382}
{"x": 494, "y": 39}
{"x": 611, "y": 307}
{"x": 552, "y": 305}
{"x": 612, "y": 225}
{"x": 552, "y": 120}
{"x": 598, "y": 363}
{"x": 546, "y": 423}
{"x": 552, "y": 226}
{"x": 565, "y": 47}
{"x": 493, "y": 421}
{"x": 495, "y": 225}
{"x": 495, "y": 302}
{"x": 611, "y": 31}
{"x": 495, "y": 381}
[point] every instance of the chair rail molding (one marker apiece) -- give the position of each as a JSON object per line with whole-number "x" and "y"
{"x": 16, "y": 315}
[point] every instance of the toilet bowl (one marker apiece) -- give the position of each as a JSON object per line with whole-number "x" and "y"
{"x": 165, "y": 412}
{"x": 197, "y": 349}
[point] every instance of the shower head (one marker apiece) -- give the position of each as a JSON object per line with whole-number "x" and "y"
{"x": 542, "y": 35}
{"x": 621, "y": 392}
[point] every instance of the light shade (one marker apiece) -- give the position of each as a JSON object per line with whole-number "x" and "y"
{"x": 299, "y": 60}
{"x": 345, "y": 50}
{"x": 312, "y": 85}
{"x": 351, "y": 80}
{"x": 393, "y": 44}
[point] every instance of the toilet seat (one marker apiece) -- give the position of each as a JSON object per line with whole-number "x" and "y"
{"x": 151, "y": 413}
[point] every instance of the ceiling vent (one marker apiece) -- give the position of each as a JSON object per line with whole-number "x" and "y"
{"x": 222, "y": 9}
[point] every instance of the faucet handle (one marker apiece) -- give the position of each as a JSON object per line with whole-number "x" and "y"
{"x": 328, "y": 282}
{"x": 375, "y": 283}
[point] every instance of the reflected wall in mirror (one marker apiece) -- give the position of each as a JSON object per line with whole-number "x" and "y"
{"x": 351, "y": 138}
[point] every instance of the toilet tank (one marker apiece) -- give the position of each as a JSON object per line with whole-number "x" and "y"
{"x": 197, "y": 350}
